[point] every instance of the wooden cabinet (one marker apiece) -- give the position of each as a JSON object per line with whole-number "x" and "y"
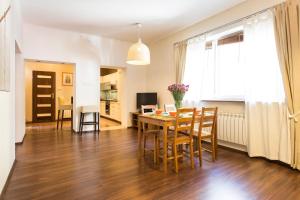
{"x": 134, "y": 119}
{"x": 115, "y": 110}
{"x": 102, "y": 107}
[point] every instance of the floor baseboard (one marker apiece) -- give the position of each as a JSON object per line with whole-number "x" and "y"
{"x": 19, "y": 143}
{"x": 7, "y": 180}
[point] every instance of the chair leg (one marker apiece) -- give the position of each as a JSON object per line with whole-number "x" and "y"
{"x": 72, "y": 120}
{"x": 157, "y": 146}
{"x": 200, "y": 151}
{"x": 80, "y": 123}
{"x": 57, "y": 123}
{"x": 62, "y": 118}
{"x": 98, "y": 122}
{"x": 213, "y": 149}
{"x": 154, "y": 150}
{"x": 175, "y": 157}
{"x": 145, "y": 141}
{"x": 192, "y": 154}
{"x": 95, "y": 125}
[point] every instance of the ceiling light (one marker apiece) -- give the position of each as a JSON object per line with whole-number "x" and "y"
{"x": 138, "y": 53}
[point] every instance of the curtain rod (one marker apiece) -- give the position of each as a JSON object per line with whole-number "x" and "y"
{"x": 5, "y": 13}
{"x": 229, "y": 23}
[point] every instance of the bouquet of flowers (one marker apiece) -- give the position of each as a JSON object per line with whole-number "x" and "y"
{"x": 178, "y": 91}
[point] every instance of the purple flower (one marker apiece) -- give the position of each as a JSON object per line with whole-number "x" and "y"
{"x": 178, "y": 88}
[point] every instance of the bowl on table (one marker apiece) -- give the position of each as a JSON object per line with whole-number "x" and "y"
{"x": 158, "y": 112}
{"x": 173, "y": 113}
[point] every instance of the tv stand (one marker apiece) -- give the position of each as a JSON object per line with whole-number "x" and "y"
{"x": 134, "y": 119}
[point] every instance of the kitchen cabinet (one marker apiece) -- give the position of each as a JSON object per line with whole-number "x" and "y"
{"x": 102, "y": 107}
{"x": 114, "y": 110}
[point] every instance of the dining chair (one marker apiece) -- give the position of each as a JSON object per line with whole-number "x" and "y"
{"x": 151, "y": 131}
{"x": 170, "y": 108}
{"x": 207, "y": 120}
{"x": 185, "y": 118}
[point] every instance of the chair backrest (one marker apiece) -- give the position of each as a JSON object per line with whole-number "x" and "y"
{"x": 148, "y": 109}
{"x": 208, "y": 120}
{"x": 185, "y": 119}
{"x": 170, "y": 108}
{"x": 61, "y": 101}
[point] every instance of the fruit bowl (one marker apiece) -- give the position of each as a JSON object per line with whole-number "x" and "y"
{"x": 173, "y": 114}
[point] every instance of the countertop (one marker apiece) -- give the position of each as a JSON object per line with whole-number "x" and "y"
{"x": 113, "y": 100}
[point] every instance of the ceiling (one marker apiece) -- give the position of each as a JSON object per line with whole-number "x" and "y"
{"x": 115, "y": 18}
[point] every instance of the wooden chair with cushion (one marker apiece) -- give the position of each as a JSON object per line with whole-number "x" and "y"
{"x": 185, "y": 119}
{"x": 170, "y": 108}
{"x": 207, "y": 130}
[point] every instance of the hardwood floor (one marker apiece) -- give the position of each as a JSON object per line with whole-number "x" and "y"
{"x": 105, "y": 123}
{"x": 59, "y": 165}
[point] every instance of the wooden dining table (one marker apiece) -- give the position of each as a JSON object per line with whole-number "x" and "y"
{"x": 158, "y": 120}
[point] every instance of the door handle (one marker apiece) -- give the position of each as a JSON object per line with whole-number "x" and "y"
{"x": 52, "y": 95}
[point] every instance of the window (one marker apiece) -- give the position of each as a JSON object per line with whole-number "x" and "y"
{"x": 214, "y": 68}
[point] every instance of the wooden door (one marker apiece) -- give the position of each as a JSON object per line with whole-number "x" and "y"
{"x": 43, "y": 96}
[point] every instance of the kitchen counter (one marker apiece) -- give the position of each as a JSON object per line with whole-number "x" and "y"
{"x": 113, "y": 100}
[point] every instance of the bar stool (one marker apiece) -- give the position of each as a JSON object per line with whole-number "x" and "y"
{"x": 62, "y": 107}
{"x": 96, "y": 116}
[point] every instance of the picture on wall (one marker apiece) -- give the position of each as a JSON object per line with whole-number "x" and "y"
{"x": 67, "y": 79}
{"x": 4, "y": 52}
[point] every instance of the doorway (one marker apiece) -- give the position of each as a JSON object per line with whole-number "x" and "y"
{"x": 111, "y": 86}
{"x": 48, "y": 84}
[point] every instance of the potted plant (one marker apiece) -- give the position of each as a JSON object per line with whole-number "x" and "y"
{"x": 178, "y": 91}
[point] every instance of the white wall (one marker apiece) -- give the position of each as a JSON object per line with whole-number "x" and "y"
{"x": 161, "y": 73}
{"x": 20, "y": 96}
{"x": 7, "y": 99}
{"x": 87, "y": 52}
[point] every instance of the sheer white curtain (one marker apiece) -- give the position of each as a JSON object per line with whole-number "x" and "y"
{"x": 265, "y": 111}
{"x": 195, "y": 74}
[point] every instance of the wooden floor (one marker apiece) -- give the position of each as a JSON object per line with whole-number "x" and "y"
{"x": 59, "y": 165}
{"x": 105, "y": 123}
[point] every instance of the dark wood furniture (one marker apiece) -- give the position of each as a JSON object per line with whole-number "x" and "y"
{"x": 134, "y": 119}
{"x": 43, "y": 96}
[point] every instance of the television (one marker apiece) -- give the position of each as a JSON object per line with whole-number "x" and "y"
{"x": 149, "y": 98}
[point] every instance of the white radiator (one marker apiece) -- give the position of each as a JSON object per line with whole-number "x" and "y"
{"x": 231, "y": 128}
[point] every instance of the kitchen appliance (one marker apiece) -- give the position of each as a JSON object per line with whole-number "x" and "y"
{"x": 107, "y": 107}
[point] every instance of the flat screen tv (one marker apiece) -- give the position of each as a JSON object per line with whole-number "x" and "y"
{"x": 146, "y": 99}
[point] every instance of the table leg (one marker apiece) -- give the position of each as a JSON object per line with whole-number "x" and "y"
{"x": 216, "y": 140}
{"x": 165, "y": 146}
{"x": 139, "y": 135}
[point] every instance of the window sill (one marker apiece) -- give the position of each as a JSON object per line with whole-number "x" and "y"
{"x": 224, "y": 100}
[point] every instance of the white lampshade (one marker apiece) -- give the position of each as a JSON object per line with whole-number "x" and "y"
{"x": 138, "y": 54}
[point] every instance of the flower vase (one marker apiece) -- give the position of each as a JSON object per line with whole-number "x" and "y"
{"x": 178, "y": 104}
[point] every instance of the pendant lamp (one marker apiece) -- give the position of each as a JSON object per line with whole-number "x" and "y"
{"x": 138, "y": 53}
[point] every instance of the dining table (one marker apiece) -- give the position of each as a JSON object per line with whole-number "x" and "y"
{"x": 162, "y": 120}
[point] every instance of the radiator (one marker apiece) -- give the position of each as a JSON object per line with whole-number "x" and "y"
{"x": 231, "y": 128}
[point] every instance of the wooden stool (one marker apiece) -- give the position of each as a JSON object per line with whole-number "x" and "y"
{"x": 96, "y": 117}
